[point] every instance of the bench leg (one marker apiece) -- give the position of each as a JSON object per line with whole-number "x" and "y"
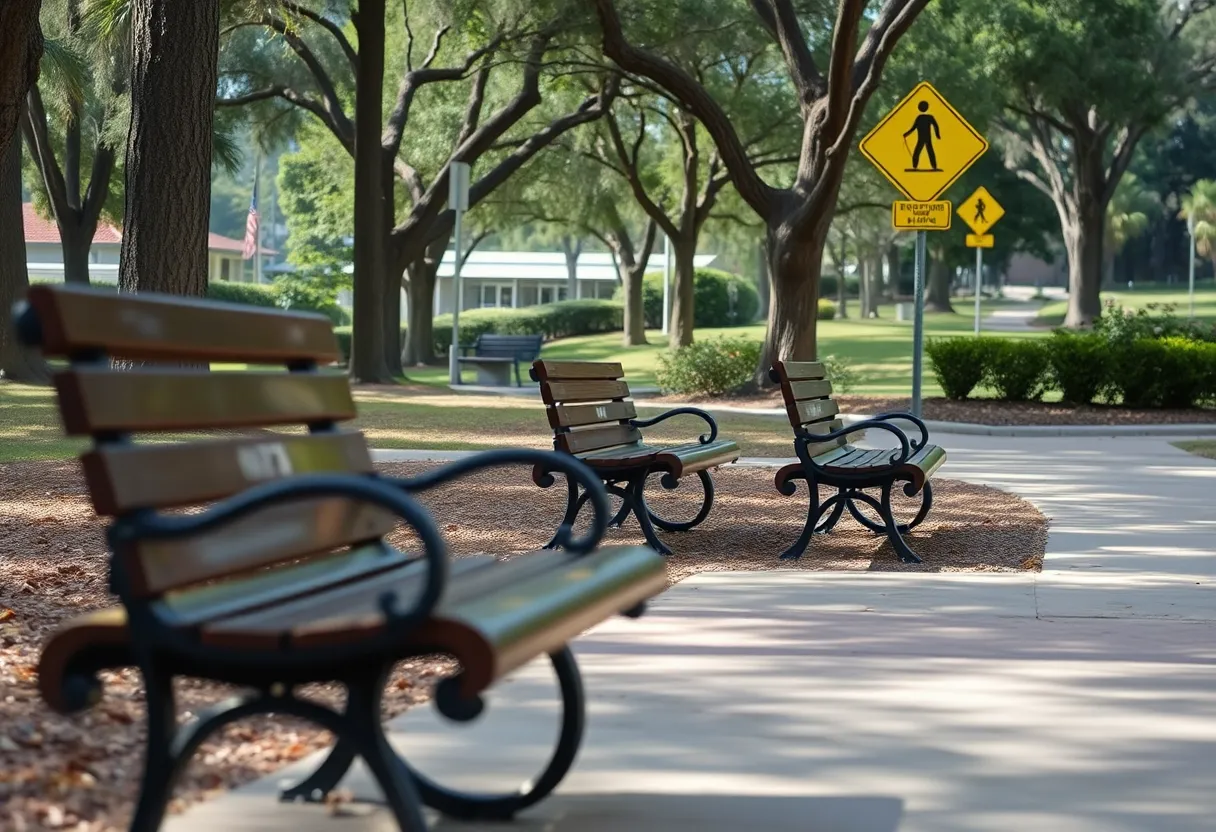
{"x": 836, "y": 503}
{"x": 466, "y": 806}
{"x": 315, "y": 787}
{"x": 637, "y": 502}
{"x": 814, "y": 510}
{"x": 906, "y": 555}
{"x": 574, "y": 503}
{"x": 156, "y": 786}
{"x": 707, "y": 503}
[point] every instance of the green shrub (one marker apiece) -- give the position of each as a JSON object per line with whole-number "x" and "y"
{"x": 563, "y": 319}
{"x": 712, "y": 303}
{"x": 1018, "y": 369}
{"x": 709, "y": 367}
{"x": 1173, "y": 372}
{"x": 840, "y": 372}
{"x": 251, "y": 294}
{"x": 827, "y": 310}
{"x": 1080, "y": 365}
{"x": 959, "y": 363}
{"x": 1154, "y": 320}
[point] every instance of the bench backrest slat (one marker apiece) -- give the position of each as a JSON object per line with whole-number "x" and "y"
{"x": 277, "y": 533}
{"x": 96, "y": 400}
{"x": 522, "y": 347}
{"x": 807, "y": 395}
{"x": 91, "y": 326}
{"x": 586, "y": 405}
{"x": 78, "y": 320}
{"x": 594, "y": 439}
{"x": 124, "y": 478}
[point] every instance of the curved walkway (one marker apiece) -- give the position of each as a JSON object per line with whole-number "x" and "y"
{"x": 1081, "y": 699}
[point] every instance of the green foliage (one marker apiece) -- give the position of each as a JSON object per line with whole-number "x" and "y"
{"x": 1018, "y": 369}
{"x": 827, "y": 310}
{"x": 1080, "y": 364}
{"x": 1119, "y": 325}
{"x": 841, "y": 373}
{"x": 712, "y": 303}
{"x": 250, "y": 294}
{"x": 1169, "y": 372}
{"x": 959, "y": 363}
{"x": 708, "y": 367}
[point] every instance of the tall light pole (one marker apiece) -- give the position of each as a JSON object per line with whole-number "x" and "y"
{"x": 1190, "y": 234}
{"x": 666, "y": 281}
{"x": 458, "y": 201}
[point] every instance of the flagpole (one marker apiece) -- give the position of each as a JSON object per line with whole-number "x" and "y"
{"x": 257, "y": 248}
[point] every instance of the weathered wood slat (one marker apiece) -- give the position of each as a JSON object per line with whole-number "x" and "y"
{"x": 97, "y": 400}
{"x": 802, "y": 370}
{"x": 822, "y": 429}
{"x": 693, "y": 457}
{"x": 566, "y": 416}
{"x": 810, "y": 411}
{"x": 75, "y": 320}
{"x": 553, "y": 392}
{"x": 810, "y": 389}
{"x": 127, "y": 477}
{"x": 577, "y": 370}
{"x": 592, "y": 439}
{"x": 280, "y": 532}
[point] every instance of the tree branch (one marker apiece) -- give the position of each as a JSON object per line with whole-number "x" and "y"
{"x": 328, "y": 25}
{"x": 299, "y": 100}
{"x": 633, "y": 176}
{"x": 329, "y": 94}
{"x": 37, "y": 136}
{"x": 695, "y": 98}
{"x": 781, "y": 22}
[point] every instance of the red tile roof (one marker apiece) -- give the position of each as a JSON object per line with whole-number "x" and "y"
{"x": 40, "y": 230}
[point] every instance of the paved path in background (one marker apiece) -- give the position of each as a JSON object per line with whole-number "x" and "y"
{"x": 1081, "y": 699}
{"x": 1012, "y": 318}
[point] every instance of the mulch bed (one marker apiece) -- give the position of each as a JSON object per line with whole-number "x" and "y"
{"x": 988, "y": 411}
{"x": 81, "y": 772}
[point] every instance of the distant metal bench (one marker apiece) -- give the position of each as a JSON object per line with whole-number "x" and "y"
{"x": 593, "y": 420}
{"x": 494, "y": 356}
{"x": 285, "y": 578}
{"x": 826, "y": 458}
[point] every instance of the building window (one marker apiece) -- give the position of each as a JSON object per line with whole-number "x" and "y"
{"x": 494, "y": 296}
{"x": 225, "y": 269}
{"x": 546, "y": 295}
{"x": 561, "y": 293}
{"x": 604, "y": 290}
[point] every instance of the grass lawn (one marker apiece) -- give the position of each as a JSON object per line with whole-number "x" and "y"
{"x": 880, "y": 349}
{"x": 1205, "y": 302}
{"x": 1199, "y": 447}
{"x": 409, "y": 419}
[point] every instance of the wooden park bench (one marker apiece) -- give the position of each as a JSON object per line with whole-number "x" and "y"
{"x": 284, "y": 577}
{"x": 826, "y": 458}
{"x": 593, "y": 420}
{"x": 495, "y": 356}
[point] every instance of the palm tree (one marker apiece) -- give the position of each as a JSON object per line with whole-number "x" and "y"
{"x": 1127, "y": 217}
{"x": 1200, "y": 205}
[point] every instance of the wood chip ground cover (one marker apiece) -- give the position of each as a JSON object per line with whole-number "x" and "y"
{"x": 81, "y": 772}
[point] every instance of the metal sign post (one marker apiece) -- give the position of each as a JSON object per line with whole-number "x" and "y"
{"x": 458, "y": 201}
{"x": 979, "y": 283}
{"x": 1190, "y": 233}
{"x": 981, "y": 211}
{"x": 918, "y": 321}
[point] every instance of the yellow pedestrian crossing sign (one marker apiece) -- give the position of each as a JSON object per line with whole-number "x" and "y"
{"x": 923, "y": 145}
{"x": 980, "y": 211}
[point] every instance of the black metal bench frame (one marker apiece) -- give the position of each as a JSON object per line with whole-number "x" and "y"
{"x": 518, "y": 355}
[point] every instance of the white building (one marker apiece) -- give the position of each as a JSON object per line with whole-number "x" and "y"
{"x": 498, "y": 279}
{"x": 44, "y": 252}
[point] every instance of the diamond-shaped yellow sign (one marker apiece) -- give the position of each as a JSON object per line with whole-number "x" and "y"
{"x": 980, "y": 211}
{"x": 923, "y": 145}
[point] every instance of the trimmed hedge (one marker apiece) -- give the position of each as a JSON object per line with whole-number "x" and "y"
{"x": 709, "y": 367}
{"x": 1143, "y": 372}
{"x": 827, "y": 310}
{"x": 712, "y": 306}
{"x": 563, "y": 319}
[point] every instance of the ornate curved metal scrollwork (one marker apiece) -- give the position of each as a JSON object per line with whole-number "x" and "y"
{"x": 704, "y": 439}
{"x": 671, "y": 483}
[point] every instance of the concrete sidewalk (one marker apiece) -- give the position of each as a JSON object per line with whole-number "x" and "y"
{"x": 1081, "y": 699}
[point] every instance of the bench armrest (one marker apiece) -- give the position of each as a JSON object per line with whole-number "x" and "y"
{"x": 545, "y": 461}
{"x": 804, "y": 438}
{"x": 907, "y": 417}
{"x": 704, "y": 439}
{"x": 355, "y": 486}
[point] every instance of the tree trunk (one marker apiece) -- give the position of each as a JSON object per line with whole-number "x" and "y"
{"x": 20, "y": 54}
{"x": 1084, "y": 237}
{"x": 174, "y": 50}
{"x": 893, "y": 271}
{"x": 682, "y": 291}
{"x": 17, "y": 363}
{"x": 795, "y": 264}
{"x": 420, "y": 339}
{"x": 763, "y": 283}
{"x": 392, "y": 274}
{"x": 873, "y": 282}
{"x": 842, "y": 298}
{"x": 937, "y": 292}
{"x": 572, "y": 249}
{"x": 1108, "y": 267}
{"x": 635, "y": 315}
{"x": 368, "y": 362}
{"x": 76, "y": 248}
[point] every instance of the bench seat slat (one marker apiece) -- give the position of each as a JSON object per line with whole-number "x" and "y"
{"x": 97, "y": 400}
{"x": 694, "y": 457}
{"x": 566, "y": 416}
{"x": 593, "y": 439}
{"x": 810, "y": 389}
{"x": 76, "y": 320}
{"x": 127, "y": 477}
{"x": 582, "y": 391}
{"x": 803, "y": 370}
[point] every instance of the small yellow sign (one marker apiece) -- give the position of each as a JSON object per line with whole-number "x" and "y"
{"x": 923, "y": 145}
{"x": 921, "y": 216}
{"x": 980, "y": 211}
{"x": 980, "y": 240}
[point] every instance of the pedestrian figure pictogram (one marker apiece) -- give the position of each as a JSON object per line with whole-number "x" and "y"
{"x": 925, "y": 127}
{"x": 980, "y": 211}
{"x": 923, "y": 145}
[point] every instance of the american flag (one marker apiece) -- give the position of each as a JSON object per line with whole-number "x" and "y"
{"x": 251, "y": 226}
